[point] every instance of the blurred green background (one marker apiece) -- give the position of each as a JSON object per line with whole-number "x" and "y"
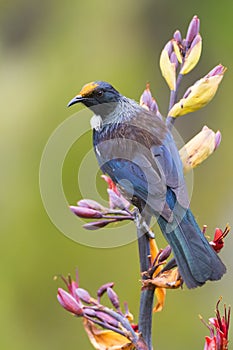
{"x": 48, "y": 50}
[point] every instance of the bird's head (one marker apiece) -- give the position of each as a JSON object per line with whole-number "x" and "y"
{"x": 99, "y": 96}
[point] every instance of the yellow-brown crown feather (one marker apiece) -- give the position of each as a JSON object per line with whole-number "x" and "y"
{"x": 88, "y": 89}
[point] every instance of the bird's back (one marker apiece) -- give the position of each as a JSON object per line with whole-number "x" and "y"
{"x": 140, "y": 155}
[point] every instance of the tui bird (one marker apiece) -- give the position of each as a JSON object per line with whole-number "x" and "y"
{"x": 135, "y": 148}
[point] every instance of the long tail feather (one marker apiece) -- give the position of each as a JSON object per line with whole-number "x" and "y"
{"x": 196, "y": 259}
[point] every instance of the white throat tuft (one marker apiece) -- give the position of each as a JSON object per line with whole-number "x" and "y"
{"x": 96, "y": 122}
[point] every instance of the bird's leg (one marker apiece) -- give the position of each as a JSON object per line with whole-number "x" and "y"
{"x": 141, "y": 224}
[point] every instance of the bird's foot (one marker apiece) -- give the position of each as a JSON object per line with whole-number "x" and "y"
{"x": 141, "y": 224}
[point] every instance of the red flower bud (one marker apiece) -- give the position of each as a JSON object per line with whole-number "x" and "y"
{"x": 87, "y": 213}
{"x": 219, "y": 329}
{"x": 218, "y": 241}
{"x": 111, "y": 184}
{"x": 69, "y": 302}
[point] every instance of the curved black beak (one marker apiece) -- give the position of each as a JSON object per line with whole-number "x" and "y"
{"x": 76, "y": 99}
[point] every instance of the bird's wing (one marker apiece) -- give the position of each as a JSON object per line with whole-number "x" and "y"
{"x": 131, "y": 165}
{"x": 142, "y": 158}
{"x": 167, "y": 157}
{"x": 153, "y": 134}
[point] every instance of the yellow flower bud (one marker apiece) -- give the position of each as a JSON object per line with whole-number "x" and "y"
{"x": 192, "y": 56}
{"x": 168, "y": 68}
{"x": 199, "y": 148}
{"x": 199, "y": 94}
{"x": 177, "y": 51}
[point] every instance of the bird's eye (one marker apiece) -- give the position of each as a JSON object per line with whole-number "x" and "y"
{"x": 99, "y": 93}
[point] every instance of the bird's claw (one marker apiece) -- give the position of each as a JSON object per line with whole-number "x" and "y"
{"x": 141, "y": 224}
